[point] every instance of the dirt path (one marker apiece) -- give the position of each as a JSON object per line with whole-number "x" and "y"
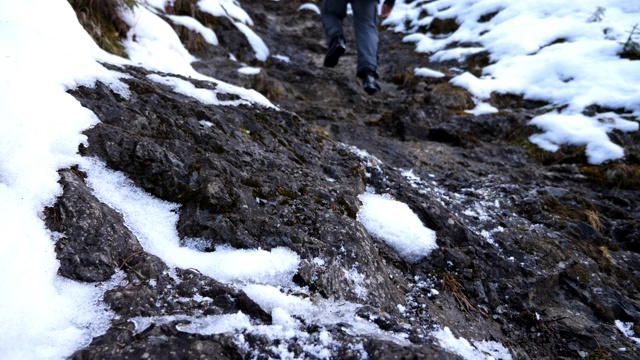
{"x": 555, "y": 214}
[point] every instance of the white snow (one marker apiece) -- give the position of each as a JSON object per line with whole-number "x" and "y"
{"x": 228, "y": 8}
{"x": 153, "y": 221}
{"x": 282, "y": 58}
{"x": 481, "y": 109}
{"x": 193, "y": 24}
{"x": 570, "y": 60}
{"x": 259, "y": 47}
{"x": 479, "y": 350}
{"x": 426, "y": 72}
{"x": 285, "y": 310}
{"x": 309, "y": 6}
{"x": 207, "y": 96}
{"x": 153, "y": 43}
{"x": 234, "y": 12}
{"x": 626, "y": 329}
{"x": 397, "y": 225}
{"x": 43, "y": 315}
{"x": 216, "y": 324}
{"x": 249, "y": 70}
{"x": 270, "y": 298}
{"x": 44, "y": 53}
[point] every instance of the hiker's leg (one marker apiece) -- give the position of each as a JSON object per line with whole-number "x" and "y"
{"x": 365, "y": 18}
{"x": 333, "y": 12}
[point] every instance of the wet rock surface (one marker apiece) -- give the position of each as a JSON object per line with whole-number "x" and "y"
{"x": 537, "y": 251}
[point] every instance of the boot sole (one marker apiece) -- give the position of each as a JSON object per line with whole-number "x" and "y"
{"x": 371, "y": 90}
{"x": 331, "y": 60}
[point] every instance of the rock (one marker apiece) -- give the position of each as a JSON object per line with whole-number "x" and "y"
{"x": 93, "y": 241}
{"x": 537, "y": 252}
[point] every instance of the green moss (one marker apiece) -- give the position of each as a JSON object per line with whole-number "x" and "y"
{"x": 566, "y": 154}
{"x": 218, "y": 149}
{"x": 603, "y": 312}
{"x": 617, "y": 174}
{"x": 299, "y": 156}
{"x": 102, "y": 21}
{"x": 443, "y": 26}
{"x": 252, "y": 183}
{"x": 256, "y": 187}
{"x": 477, "y": 62}
{"x": 454, "y": 98}
{"x": 351, "y": 212}
{"x": 598, "y": 354}
{"x": 578, "y": 274}
{"x": 613, "y": 246}
{"x": 287, "y": 193}
{"x": 552, "y": 205}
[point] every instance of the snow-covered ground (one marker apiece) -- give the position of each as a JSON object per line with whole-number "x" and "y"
{"x": 44, "y": 53}
{"x": 558, "y": 51}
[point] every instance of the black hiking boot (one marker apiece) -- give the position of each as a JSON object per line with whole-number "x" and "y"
{"x": 337, "y": 48}
{"x": 370, "y": 84}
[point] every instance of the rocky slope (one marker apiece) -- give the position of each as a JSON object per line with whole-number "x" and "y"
{"x": 537, "y": 251}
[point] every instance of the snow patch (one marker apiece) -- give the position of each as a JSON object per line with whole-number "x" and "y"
{"x": 397, "y": 225}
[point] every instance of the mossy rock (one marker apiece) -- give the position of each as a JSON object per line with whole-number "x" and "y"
{"x": 578, "y": 274}
{"x": 566, "y": 154}
{"x": 511, "y": 101}
{"x": 617, "y": 174}
{"x": 598, "y": 354}
{"x": 487, "y": 17}
{"x": 452, "y": 97}
{"x": 478, "y": 61}
{"x": 443, "y": 26}
{"x": 102, "y": 21}
{"x": 554, "y": 206}
{"x": 281, "y": 190}
{"x": 603, "y": 312}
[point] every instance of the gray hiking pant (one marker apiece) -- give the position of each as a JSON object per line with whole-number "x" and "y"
{"x": 365, "y": 19}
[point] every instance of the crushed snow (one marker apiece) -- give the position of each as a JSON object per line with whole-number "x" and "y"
{"x": 153, "y": 221}
{"x": 479, "y": 350}
{"x": 626, "y": 328}
{"x": 397, "y": 225}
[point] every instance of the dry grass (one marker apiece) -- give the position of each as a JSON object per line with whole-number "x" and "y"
{"x": 598, "y": 354}
{"x": 404, "y": 79}
{"x": 594, "y": 220}
{"x": 126, "y": 265}
{"x": 617, "y": 174}
{"x": 451, "y": 284}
